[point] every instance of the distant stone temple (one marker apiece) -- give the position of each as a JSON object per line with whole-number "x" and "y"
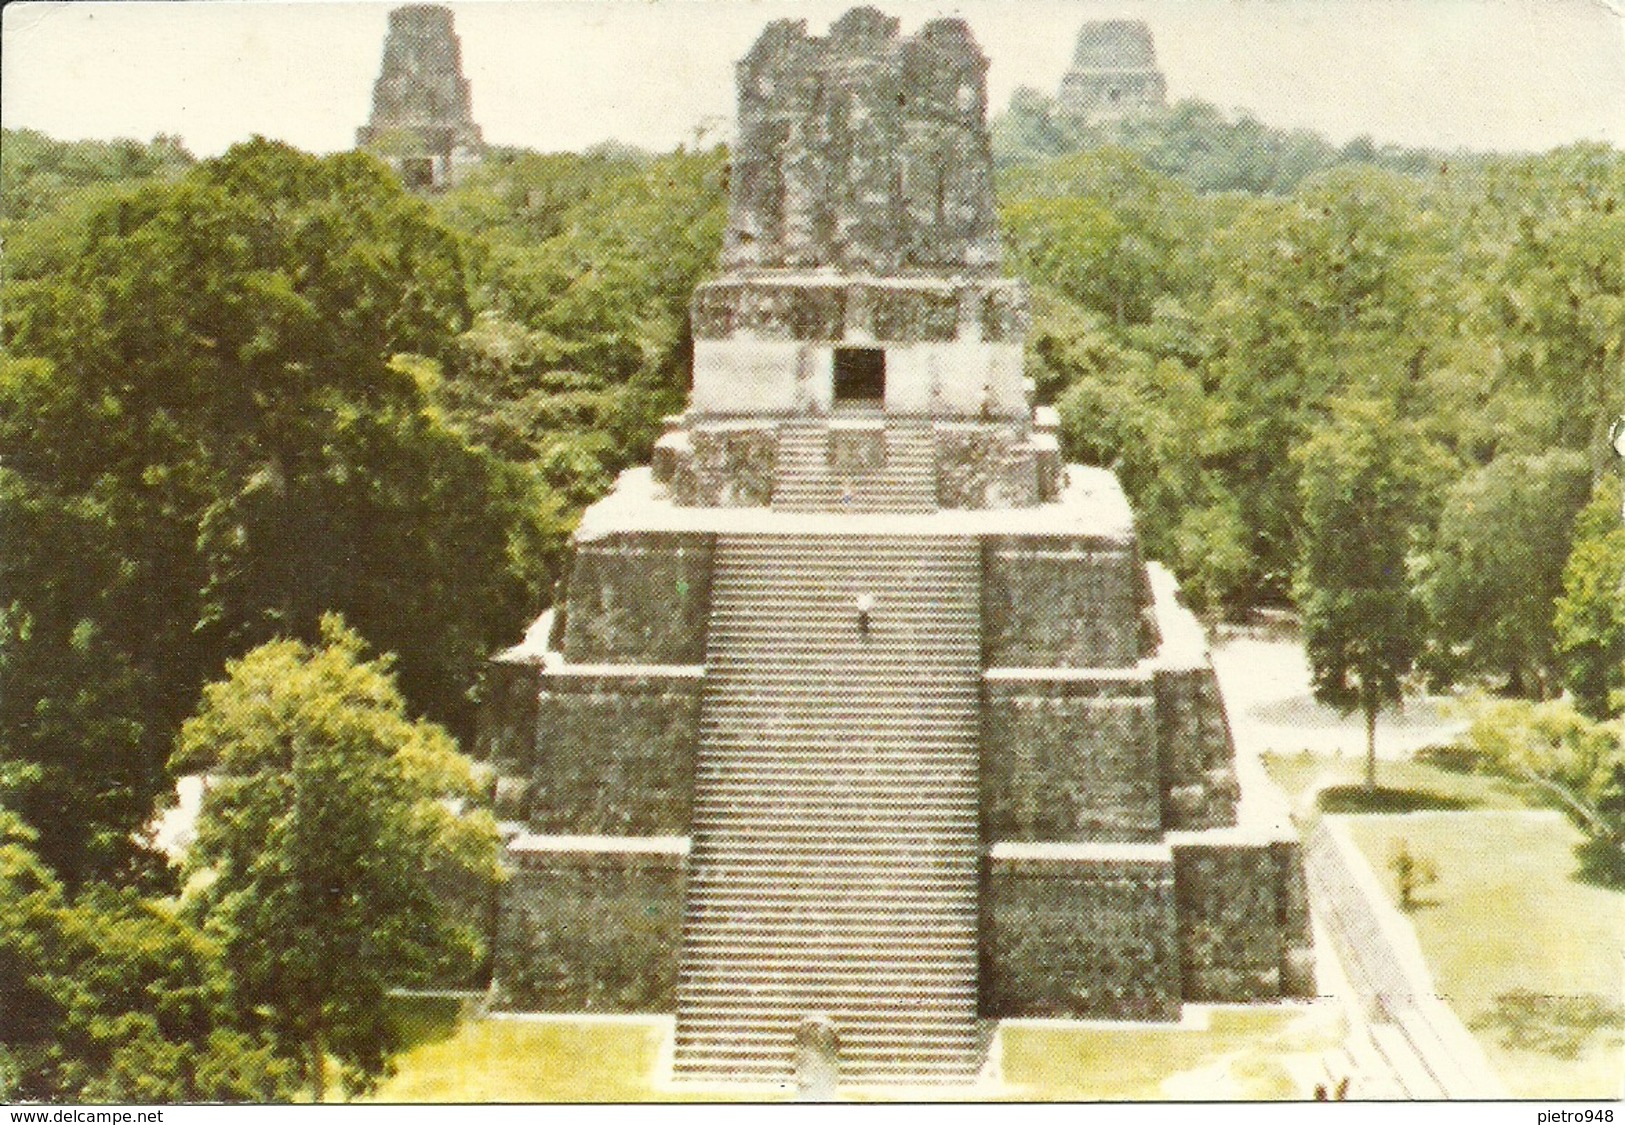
{"x": 1114, "y": 72}
{"x": 863, "y": 722}
{"x": 422, "y": 120}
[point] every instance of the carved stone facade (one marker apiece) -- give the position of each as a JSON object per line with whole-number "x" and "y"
{"x": 1114, "y": 72}
{"x": 863, "y": 152}
{"x": 422, "y": 119}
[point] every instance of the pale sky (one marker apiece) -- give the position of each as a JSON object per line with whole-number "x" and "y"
{"x": 565, "y": 74}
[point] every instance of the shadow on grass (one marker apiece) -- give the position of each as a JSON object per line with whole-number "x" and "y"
{"x": 416, "y": 1020}
{"x": 1451, "y": 759}
{"x": 1359, "y": 799}
{"x": 1560, "y": 1026}
{"x": 1601, "y": 864}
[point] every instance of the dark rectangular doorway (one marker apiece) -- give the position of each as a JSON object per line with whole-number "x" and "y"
{"x": 860, "y": 375}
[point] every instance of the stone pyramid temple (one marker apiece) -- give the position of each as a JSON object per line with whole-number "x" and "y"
{"x": 422, "y": 120}
{"x": 1114, "y": 71}
{"x": 862, "y": 710}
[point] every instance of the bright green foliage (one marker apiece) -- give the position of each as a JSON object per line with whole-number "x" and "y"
{"x": 1560, "y": 293}
{"x": 331, "y": 856}
{"x": 582, "y": 344}
{"x": 202, "y": 409}
{"x": 111, "y": 998}
{"x": 1365, "y": 479}
{"x": 1578, "y": 762}
{"x": 37, "y": 173}
{"x": 1496, "y": 568}
{"x": 1100, "y": 227}
{"x": 1323, "y": 296}
{"x": 1194, "y": 142}
{"x": 1590, "y": 619}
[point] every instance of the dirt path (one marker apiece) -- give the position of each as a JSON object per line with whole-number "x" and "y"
{"x": 1266, "y": 694}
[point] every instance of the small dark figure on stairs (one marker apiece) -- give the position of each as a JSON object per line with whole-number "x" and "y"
{"x": 866, "y": 606}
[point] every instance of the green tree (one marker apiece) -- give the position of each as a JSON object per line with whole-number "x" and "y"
{"x": 37, "y": 172}
{"x": 1572, "y": 760}
{"x": 1560, "y": 289}
{"x": 1496, "y": 567}
{"x": 1365, "y": 475}
{"x": 206, "y": 406}
{"x": 585, "y": 341}
{"x": 113, "y": 998}
{"x": 1590, "y": 617}
{"x": 327, "y": 844}
{"x": 1332, "y": 293}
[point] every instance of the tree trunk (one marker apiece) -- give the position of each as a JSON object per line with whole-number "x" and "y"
{"x": 318, "y": 1068}
{"x": 1371, "y": 706}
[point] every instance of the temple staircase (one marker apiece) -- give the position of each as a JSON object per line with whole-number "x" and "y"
{"x": 836, "y": 836}
{"x": 905, "y": 481}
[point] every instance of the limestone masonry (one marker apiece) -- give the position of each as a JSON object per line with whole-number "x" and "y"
{"x": 1114, "y": 71}
{"x": 422, "y": 121}
{"x": 1004, "y": 788}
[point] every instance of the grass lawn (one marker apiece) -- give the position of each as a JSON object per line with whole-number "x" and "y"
{"x": 1242, "y": 1054}
{"x": 1528, "y": 955}
{"x": 532, "y": 1061}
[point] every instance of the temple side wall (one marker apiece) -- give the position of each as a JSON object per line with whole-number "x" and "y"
{"x": 1069, "y": 759}
{"x": 505, "y": 735}
{"x": 590, "y": 928}
{"x": 615, "y": 753}
{"x": 1243, "y": 918}
{"x": 1198, "y": 757}
{"x": 1080, "y": 932}
{"x": 755, "y": 377}
{"x": 639, "y": 598}
{"x": 1060, "y": 602}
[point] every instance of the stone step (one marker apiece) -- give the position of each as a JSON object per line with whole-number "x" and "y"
{"x": 879, "y": 846}
{"x": 727, "y": 958}
{"x": 745, "y": 990}
{"x": 837, "y": 845}
{"x": 777, "y": 942}
{"x": 924, "y": 1032}
{"x": 726, "y": 881}
{"x": 805, "y": 812}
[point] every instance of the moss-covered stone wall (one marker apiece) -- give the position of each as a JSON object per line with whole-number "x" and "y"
{"x": 1244, "y": 930}
{"x": 591, "y": 931}
{"x": 615, "y": 753}
{"x": 1198, "y": 757}
{"x": 1069, "y": 759}
{"x": 639, "y": 598}
{"x": 1080, "y": 932}
{"x": 1061, "y": 602}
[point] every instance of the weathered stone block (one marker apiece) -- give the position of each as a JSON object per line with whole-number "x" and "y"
{"x": 970, "y": 465}
{"x": 1081, "y": 931}
{"x": 1230, "y": 921}
{"x": 1006, "y": 315}
{"x": 856, "y": 450}
{"x": 1015, "y": 485}
{"x": 1297, "y": 931}
{"x": 639, "y": 598}
{"x": 506, "y": 732}
{"x": 1069, "y": 760}
{"x": 912, "y": 315}
{"x": 615, "y": 754}
{"x": 1198, "y": 757}
{"x": 591, "y": 925}
{"x": 1047, "y": 465}
{"x": 1060, "y": 602}
{"x": 734, "y": 465}
{"x": 862, "y": 151}
{"x": 671, "y": 451}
